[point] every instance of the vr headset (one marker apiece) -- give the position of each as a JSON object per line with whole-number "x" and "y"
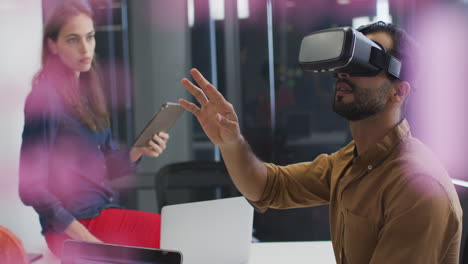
{"x": 347, "y": 50}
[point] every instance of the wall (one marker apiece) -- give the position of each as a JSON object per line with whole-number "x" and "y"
{"x": 159, "y": 50}
{"x": 21, "y": 30}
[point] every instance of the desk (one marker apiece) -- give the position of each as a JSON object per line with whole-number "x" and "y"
{"x": 267, "y": 253}
{"x": 292, "y": 252}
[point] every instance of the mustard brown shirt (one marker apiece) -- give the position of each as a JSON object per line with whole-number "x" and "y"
{"x": 394, "y": 203}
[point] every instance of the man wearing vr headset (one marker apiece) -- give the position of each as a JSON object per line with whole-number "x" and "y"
{"x": 391, "y": 201}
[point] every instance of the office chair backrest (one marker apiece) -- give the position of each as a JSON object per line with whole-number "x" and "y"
{"x": 193, "y": 181}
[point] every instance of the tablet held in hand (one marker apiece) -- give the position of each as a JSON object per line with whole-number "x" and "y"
{"x": 161, "y": 122}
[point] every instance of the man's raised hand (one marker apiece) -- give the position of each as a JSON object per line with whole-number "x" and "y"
{"x": 216, "y": 115}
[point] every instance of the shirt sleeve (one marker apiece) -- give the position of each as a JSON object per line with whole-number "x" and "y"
{"x": 421, "y": 225}
{"x": 38, "y": 135}
{"x": 118, "y": 160}
{"x": 297, "y": 185}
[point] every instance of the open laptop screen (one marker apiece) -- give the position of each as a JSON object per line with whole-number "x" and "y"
{"x": 214, "y": 231}
{"x": 79, "y": 252}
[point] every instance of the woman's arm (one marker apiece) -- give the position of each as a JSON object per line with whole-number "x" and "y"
{"x": 122, "y": 162}
{"x": 77, "y": 231}
{"x": 38, "y": 135}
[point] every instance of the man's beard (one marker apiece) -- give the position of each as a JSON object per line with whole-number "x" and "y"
{"x": 366, "y": 102}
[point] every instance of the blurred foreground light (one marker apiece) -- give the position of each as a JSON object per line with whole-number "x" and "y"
{"x": 438, "y": 106}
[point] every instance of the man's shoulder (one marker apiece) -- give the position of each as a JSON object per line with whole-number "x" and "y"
{"x": 419, "y": 173}
{"x": 415, "y": 158}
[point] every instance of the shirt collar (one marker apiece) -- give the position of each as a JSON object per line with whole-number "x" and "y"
{"x": 378, "y": 152}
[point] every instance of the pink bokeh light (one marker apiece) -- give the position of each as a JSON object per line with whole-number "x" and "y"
{"x": 439, "y": 104}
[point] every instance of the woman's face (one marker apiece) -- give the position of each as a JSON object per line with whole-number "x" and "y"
{"x": 75, "y": 43}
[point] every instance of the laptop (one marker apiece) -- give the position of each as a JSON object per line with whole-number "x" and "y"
{"x": 80, "y": 252}
{"x": 209, "y": 232}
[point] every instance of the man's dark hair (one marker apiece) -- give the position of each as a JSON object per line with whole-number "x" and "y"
{"x": 404, "y": 47}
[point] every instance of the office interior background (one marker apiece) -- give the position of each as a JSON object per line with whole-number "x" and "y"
{"x": 249, "y": 50}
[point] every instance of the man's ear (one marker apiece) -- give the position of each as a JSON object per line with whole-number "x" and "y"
{"x": 52, "y": 46}
{"x": 401, "y": 90}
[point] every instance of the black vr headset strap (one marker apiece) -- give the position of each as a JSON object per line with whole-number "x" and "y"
{"x": 386, "y": 62}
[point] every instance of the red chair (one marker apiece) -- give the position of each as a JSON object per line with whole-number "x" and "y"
{"x": 11, "y": 248}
